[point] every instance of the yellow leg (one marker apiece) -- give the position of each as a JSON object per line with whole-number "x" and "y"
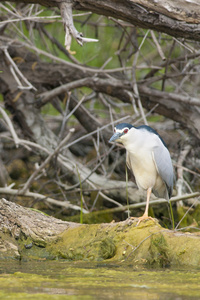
{"x": 145, "y": 215}
{"x": 147, "y": 204}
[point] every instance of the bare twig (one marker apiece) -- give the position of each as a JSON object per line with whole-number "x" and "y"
{"x": 76, "y": 66}
{"x": 10, "y": 126}
{"x": 158, "y": 45}
{"x": 47, "y": 96}
{"x": 145, "y": 90}
{"x": 70, "y": 30}
{"x": 182, "y": 157}
{"x": 54, "y": 40}
{"x": 91, "y": 82}
{"x": 134, "y": 81}
{"x": 186, "y": 214}
{"x": 41, "y": 19}
{"x": 55, "y": 152}
{"x": 87, "y": 175}
{"x": 15, "y": 71}
{"x": 65, "y": 204}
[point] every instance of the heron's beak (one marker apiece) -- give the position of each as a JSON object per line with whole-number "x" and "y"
{"x": 116, "y": 136}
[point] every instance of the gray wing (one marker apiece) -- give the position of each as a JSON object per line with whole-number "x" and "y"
{"x": 164, "y": 166}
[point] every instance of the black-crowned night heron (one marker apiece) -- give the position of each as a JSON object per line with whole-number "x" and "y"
{"x": 148, "y": 158}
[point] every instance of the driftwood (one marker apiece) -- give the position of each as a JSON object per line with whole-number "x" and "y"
{"x": 28, "y": 234}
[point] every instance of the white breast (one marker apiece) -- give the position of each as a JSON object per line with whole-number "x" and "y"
{"x": 143, "y": 168}
{"x": 140, "y": 160}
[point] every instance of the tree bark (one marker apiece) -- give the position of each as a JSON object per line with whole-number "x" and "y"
{"x": 179, "y": 19}
{"x": 27, "y": 234}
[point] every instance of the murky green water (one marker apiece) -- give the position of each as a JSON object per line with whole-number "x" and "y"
{"x": 66, "y": 280}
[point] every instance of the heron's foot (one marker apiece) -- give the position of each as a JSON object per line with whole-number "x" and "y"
{"x": 140, "y": 219}
{"x": 143, "y": 218}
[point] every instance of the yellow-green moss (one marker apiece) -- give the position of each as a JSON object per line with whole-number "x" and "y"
{"x": 145, "y": 244}
{"x": 159, "y": 252}
{"x": 92, "y": 218}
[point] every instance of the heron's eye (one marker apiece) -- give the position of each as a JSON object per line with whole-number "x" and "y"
{"x": 125, "y": 130}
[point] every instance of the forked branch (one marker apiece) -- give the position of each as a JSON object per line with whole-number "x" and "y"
{"x": 70, "y": 30}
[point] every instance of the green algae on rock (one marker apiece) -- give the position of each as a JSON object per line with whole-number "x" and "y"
{"x": 27, "y": 234}
{"x": 146, "y": 244}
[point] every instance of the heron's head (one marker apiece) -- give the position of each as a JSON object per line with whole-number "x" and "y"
{"x": 121, "y": 132}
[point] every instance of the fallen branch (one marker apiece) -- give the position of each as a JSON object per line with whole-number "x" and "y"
{"x": 65, "y": 204}
{"x": 152, "y": 202}
{"x": 29, "y": 234}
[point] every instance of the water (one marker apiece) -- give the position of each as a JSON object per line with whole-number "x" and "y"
{"x": 81, "y": 281}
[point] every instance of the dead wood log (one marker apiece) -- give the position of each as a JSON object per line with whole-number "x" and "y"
{"x": 179, "y": 19}
{"x": 27, "y": 234}
{"x": 19, "y": 223}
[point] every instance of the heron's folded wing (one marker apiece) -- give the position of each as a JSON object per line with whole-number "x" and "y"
{"x": 164, "y": 166}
